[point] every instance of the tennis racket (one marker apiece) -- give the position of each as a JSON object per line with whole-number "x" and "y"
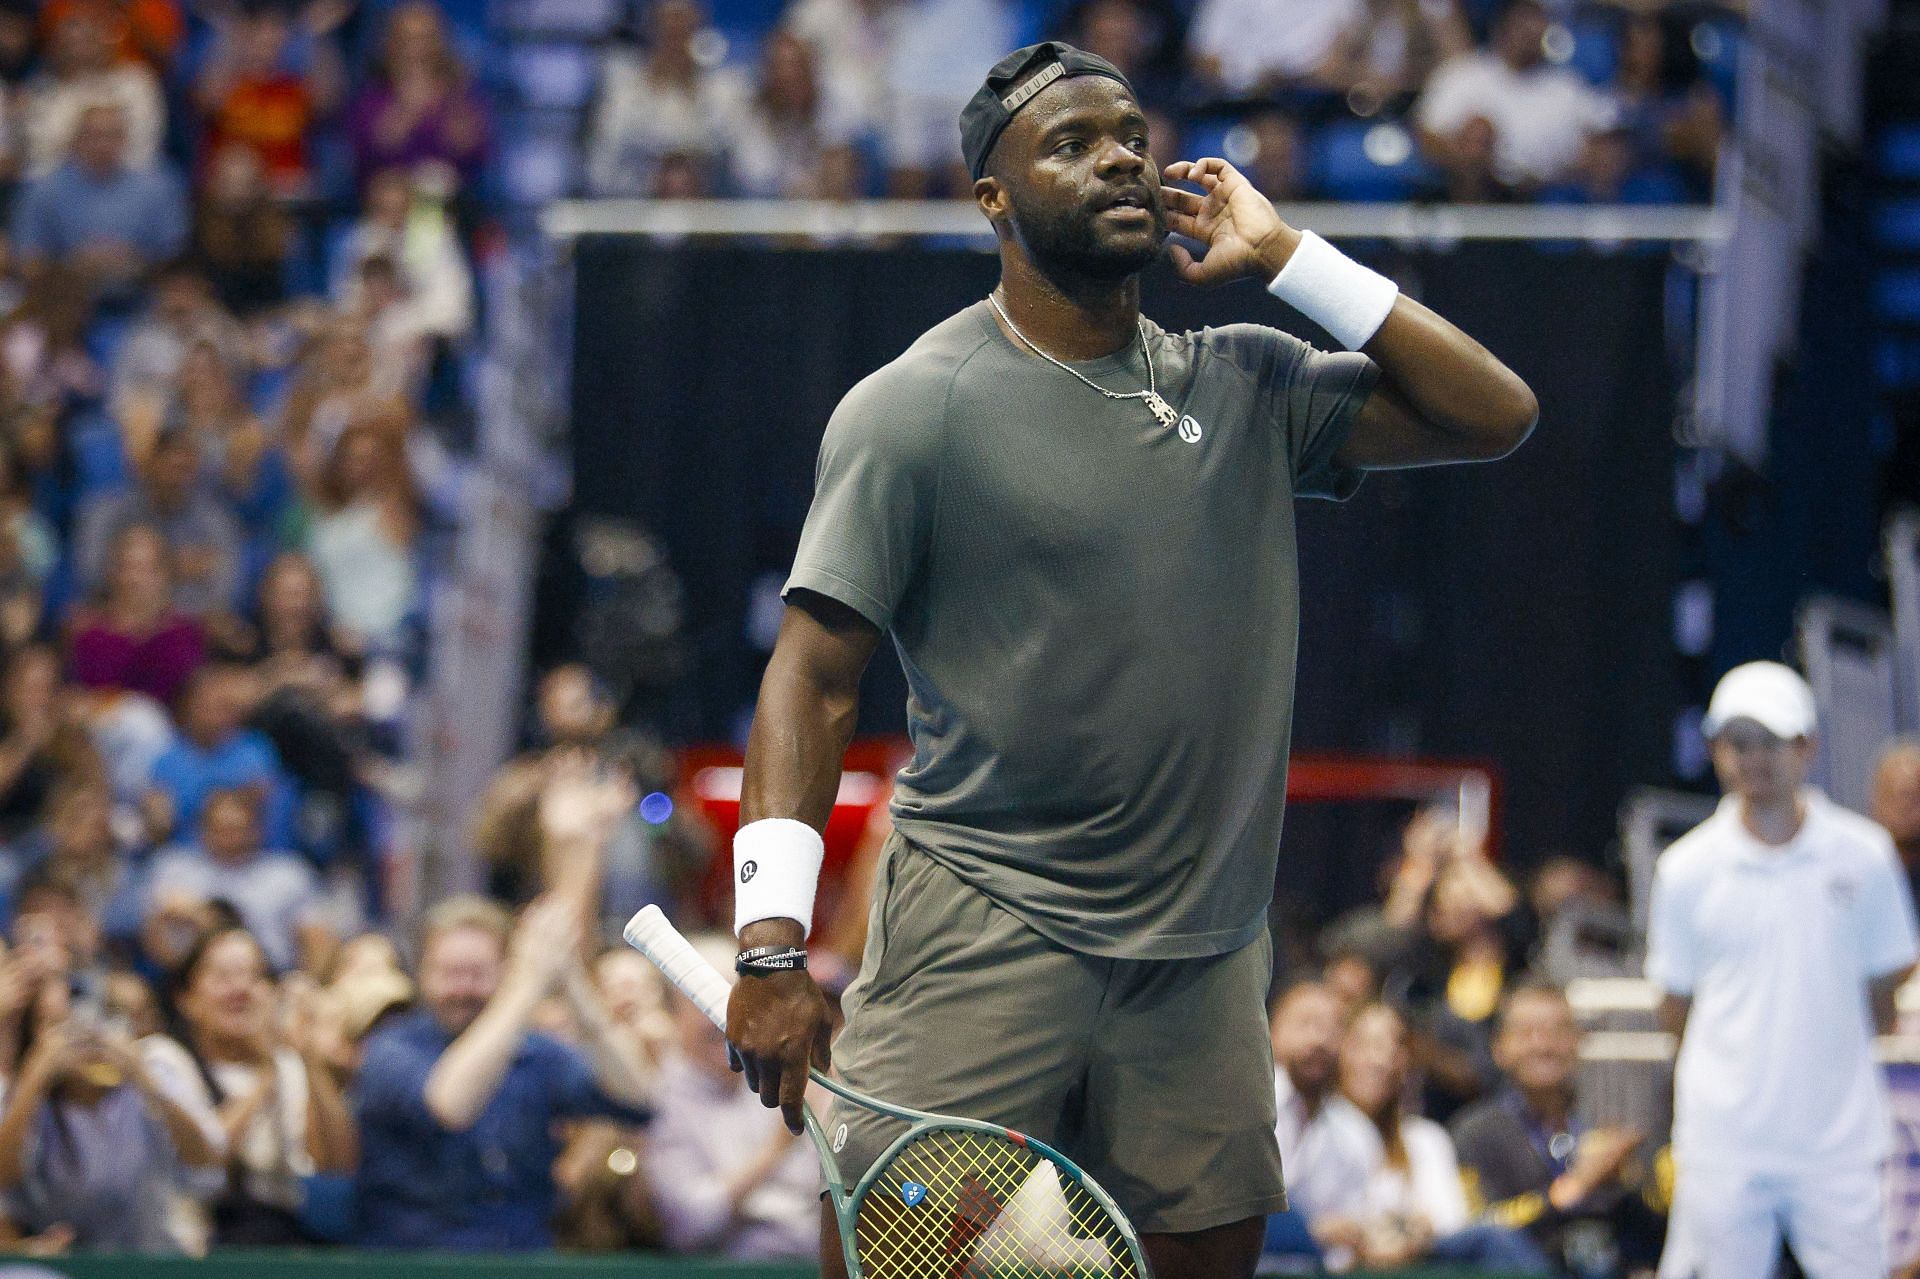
{"x": 949, "y": 1198}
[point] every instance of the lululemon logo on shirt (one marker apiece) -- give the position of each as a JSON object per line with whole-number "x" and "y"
{"x": 748, "y": 870}
{"x": 1190, "y": 429}
{"x": 839, "y": 1139}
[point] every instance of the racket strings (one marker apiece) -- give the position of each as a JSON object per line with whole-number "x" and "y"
{"x": 961, "y": 1204}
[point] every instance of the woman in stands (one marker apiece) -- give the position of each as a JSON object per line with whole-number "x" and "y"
{"x": 1416, "y": 1204}
{"x": 97, "y": 1142}
{"x": 276, "y": 1102}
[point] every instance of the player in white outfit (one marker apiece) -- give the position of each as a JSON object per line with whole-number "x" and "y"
{"x": 1780, "y": 928}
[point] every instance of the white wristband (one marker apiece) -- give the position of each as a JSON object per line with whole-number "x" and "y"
{"x": 1346, "y": 299}
{"x": 776, "y": 867}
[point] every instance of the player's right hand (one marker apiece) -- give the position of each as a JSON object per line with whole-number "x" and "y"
{"x": 777, "y": 1025}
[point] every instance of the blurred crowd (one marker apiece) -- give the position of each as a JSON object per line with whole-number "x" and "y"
{"x": 205, "y": 1042}
{"x": 1471, "y": 100}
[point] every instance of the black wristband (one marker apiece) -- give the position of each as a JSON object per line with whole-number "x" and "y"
{"x": 762, "y": 960}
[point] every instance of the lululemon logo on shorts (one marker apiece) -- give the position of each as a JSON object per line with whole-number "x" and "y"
{"x": 839, "y": 1139}
{"x": 748, "y": 870}
{"x": 1190, "y": 429}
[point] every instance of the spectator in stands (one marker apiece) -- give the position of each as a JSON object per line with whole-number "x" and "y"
{"x": 82, "y": 74}
{"x": 275, "y": 893}
{"x": 1392, "y": 48}
{"x": 1328, "y": 1162}
{"x": 184, "y": 310}
{"x": 1528, "y": 1155}
{"x": 1278, "y": 163}
{"x": 337, "y": 383}
{"x": 416, "y": 235}
{"x": 95, "y": 1136}
{"x": 1140, "y": 38}
{"x": 242, "y": 468}
{"x": 853, "y": 43}
{"x": 1670, "y": 119}
{"x": 138, "y": 31}
{"x": 43, "y": 742}
{"x": 939, "y": 51}
{"x": 75, "y": 849}
{"x": 252, "y": 99}
{"x": 135, "y": 640}
{"x": 241, "y": 234}
{"x": 1509, "y": 112}
{"x": 29, "y": 552}
{"x": 1440, "y": 947}
{"x": 310, "y": 704}
{"x": 1251, "y": 48}
{"x": 726, "y": 1174}
{"x": 255, "y": 1073}
{"x": 661, "y": 100}
{"x": 95, "y": 214}
{"x": 19, "y": 44}
{"x": 1416, "y": 1206}
{"x": 171, "y": 496}
{"x": 420, "y": 110}
{"x": 1778, "y": 934}
{"x": 362, "y": 541}
{"x": 786, "y": 146}
{"x": 217, "y": 751}
{"x": 457, "y": 1102}
{"x": 635, "y": 996}
{"x": 1896, "y": 803}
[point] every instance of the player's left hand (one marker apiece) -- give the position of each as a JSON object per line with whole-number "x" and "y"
{"x": 1242, "y": 232}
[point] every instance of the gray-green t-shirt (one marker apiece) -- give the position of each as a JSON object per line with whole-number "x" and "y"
{"x": 1097, "y": 615}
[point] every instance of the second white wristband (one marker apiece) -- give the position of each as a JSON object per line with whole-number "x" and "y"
{"x": 776, "y": 869}
{"x": 1348, "y": 300}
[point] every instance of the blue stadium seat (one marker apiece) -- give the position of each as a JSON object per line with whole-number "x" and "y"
{"x": 1716, "y": 41}
{"x": 1596, "y": 46}
{"x": 584, "y": 20}
{"x": 746, "y": 16}
{"x": 1205, "y": 136}
{"x": 1896, "y": 225}
{"x": 99, "y": 455}
{"x": 1899, "y": 152}
{"x": 538, "y": 158}
{"x": 1897, "y": 294}
{"x": 550, "y": 75}
{"x": 1358, "y": 160}
{"x": 1897, "y": 363}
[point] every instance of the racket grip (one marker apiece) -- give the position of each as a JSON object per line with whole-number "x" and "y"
{"x": 650, "y": 933}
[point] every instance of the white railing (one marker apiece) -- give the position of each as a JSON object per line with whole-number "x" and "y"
{"x": 828, "y": 222}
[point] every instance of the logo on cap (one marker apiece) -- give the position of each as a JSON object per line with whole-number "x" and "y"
{"x": 1024, "y": 94}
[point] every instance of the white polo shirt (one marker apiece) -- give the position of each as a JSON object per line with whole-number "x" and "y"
{"x": 1775, "y": 945}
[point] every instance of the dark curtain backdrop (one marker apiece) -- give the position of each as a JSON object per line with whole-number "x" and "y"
{"x": 1517, "y": 612}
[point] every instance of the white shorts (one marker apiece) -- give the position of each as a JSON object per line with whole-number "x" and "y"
{"x": 1728, "y": 1224}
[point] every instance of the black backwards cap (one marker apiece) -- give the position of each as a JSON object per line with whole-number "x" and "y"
{"x": 1013, "y": 82}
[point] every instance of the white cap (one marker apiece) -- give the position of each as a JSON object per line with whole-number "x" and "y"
{"x": 1771, "y": 695}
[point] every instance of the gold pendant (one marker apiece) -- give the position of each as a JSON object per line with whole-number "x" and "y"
{"x": 1161, "y": 409}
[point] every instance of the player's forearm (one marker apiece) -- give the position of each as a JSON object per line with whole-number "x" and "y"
{"x": 1453, "y": 382}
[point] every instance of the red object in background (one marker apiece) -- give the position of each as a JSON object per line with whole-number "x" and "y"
{"x": 713, "y": 776}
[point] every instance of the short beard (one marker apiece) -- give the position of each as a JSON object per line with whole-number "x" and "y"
{"x": 1066, "y": 242}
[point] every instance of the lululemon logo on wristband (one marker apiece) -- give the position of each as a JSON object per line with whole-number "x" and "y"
{"x": 748, "y": 870}
{"x": 1190, "y": 429}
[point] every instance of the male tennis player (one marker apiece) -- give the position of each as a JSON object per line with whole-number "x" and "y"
{"x": 1779, "y": 931}
{"x": 1078, "y": 529}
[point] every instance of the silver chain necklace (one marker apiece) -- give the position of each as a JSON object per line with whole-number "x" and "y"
{"x": 1160, "y": 409}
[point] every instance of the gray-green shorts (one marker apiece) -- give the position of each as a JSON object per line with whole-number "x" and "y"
{"x": 1156, "y": 1076}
